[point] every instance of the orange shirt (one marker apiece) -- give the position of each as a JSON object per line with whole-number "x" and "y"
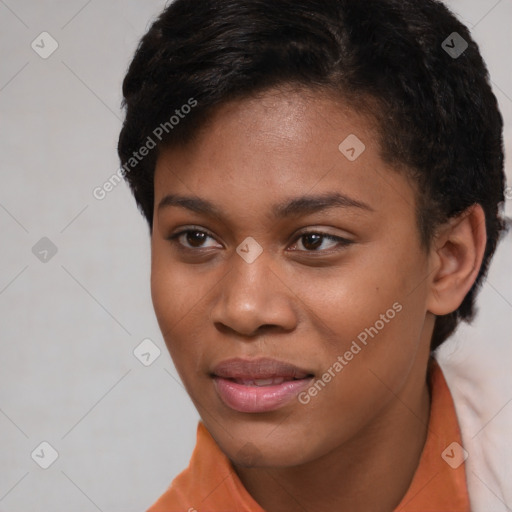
{"x": 210, "y": 484}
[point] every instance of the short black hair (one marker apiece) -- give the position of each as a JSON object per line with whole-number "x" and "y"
{"x": 410, "y": 63}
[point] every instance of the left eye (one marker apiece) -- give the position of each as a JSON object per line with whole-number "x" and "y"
{"x": 313, "y": 241}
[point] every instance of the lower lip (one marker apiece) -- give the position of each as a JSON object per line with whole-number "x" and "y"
{"x": 258, "y": 398}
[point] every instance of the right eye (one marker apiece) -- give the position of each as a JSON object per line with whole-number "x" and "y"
{"x": 195, "y": 239}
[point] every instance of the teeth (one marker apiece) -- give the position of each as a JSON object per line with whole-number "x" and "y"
{"x": 268, "y": 382}
{"x": 262, "y": 382}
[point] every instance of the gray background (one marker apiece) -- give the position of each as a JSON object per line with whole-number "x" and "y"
{"x": 69, "y": 326}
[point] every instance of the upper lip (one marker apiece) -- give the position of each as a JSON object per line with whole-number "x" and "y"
{"x": 262, "y": 368}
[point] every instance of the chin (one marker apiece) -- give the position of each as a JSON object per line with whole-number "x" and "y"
{"x": 267, "y": 455}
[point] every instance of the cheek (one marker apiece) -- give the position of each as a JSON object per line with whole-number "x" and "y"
{"x": 180, "y": 295}
{"x": 166, "y": 298}
{"x": 176, "y": 289}
{"x": 375, "y": 327}
{"x": 173, "y": 295}
{"x": 354, "y": 297}
{"x": 373, "y": 311}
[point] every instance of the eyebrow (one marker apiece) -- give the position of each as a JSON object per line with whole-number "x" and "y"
{"x": 297, "y": 206}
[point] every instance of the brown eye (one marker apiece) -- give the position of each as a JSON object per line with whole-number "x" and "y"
{"x": 195, "y": 238}
{"x": 311, "y": 242}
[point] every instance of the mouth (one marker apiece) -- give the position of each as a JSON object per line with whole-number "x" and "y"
{"x": 271, "y": 381}
{"x": 258, "y": 385}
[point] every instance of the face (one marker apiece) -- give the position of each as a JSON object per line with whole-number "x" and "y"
{"x": 288, "y": 278}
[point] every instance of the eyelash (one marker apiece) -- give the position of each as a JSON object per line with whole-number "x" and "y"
{"x": 343, "y": 242}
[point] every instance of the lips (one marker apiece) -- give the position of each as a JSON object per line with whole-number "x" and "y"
{"x": 259, "y": 385}
{"x": 271, "y": 381}
{"x": 259, "y": 371}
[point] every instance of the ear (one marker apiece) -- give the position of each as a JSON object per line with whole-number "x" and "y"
{"x": 455, "y": 259}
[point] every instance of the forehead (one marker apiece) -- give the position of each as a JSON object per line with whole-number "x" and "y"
{"x": 280, "y": 144}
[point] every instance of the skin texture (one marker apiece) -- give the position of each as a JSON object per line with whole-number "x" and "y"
{"x": 303, "y": 300}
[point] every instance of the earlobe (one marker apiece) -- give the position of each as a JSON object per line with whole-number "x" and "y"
{"x": 456, "y": 257}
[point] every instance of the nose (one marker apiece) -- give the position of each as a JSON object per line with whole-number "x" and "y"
{"x": 253, "y": 298}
